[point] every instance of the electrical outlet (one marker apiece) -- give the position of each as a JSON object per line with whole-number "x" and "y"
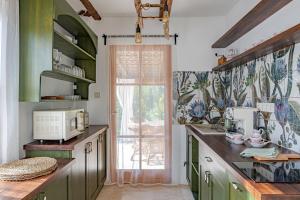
{"x": 97, "y": 95}
{"x": 266, "y": 107}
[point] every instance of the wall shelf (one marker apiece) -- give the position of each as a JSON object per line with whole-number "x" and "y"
{"x": 284, "y": 39}
{"x": 65, "y": 76}
{"x": 258, "y": 14}
{"x": 70, "y": 49}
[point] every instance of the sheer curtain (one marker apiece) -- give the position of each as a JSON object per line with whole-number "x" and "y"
{"x": 9, "y": 80}
{"x": 140, "y": 114}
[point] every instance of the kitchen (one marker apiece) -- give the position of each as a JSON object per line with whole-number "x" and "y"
{"x": 156, "y": 126}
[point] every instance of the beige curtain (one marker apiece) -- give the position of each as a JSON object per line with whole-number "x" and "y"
{"x": 140, "y": 97}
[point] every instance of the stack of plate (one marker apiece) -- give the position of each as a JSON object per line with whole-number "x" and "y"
{"x": 26, "y": 169}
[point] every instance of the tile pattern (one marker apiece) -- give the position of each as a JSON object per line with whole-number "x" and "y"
{"x": 128, "y": 192}
{"x": 202, "y": 97}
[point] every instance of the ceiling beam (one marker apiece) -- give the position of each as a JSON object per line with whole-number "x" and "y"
{"x": 162, "y": 2}
{"x": 91, "y": 11}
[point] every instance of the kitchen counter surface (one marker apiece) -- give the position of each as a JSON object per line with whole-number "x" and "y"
{"x": 27, "y": 190}
{"x": 67, "y": 145}
{"x": 226, "y": 153}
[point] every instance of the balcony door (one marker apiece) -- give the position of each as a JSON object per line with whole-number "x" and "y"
{"x": 140, "y": 114}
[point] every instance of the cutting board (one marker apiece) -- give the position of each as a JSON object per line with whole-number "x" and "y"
{"x": 280, "y": 157}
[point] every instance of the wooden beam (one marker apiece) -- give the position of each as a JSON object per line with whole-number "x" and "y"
{"x": 91, "y": 11}
{"x": 161, "y": 11}
{"x": 258, "y": 14}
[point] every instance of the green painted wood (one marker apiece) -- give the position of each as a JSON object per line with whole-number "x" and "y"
{"x": 71, "y": 21}
{"x": 239, "y": 193}
{"x": 70, "y": 49}
{"x": 38, "y": 38}
{"x": 102, "y": 161}
{"x": 89, "y": 67}
{"x": 65, "y": 76}
{"x": 36, "y": 32}
{"x": 52, "y": 154}
{"x": 59, "y": 189}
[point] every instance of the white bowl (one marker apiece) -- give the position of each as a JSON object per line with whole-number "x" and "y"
{"x": 258, "y": 145}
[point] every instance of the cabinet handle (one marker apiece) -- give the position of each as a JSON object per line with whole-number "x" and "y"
{"x": 185, "y": 163}
{"x": 208, "y": 159}
{"x": 89, "y": 147}
{"x": 207, "y": 177}
{"x": 236, "y": 187}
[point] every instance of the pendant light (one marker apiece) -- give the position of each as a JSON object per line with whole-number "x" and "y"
{"x": 138, "y": 35}
{"x": 165, "y": 18}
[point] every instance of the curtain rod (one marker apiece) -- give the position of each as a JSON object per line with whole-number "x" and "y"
{"x": 105, "y": 37}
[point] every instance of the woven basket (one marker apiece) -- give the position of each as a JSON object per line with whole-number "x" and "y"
{"x": 26, "y": 169}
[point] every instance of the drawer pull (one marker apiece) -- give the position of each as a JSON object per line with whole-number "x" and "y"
{"x": 207, "y": 177}
{"x": 236, "y": 187}
{"x": 208, "y": 159}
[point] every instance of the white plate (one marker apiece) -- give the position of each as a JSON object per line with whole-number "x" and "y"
{"x": 258, "y": 145}
{"x": 234, "y": 141}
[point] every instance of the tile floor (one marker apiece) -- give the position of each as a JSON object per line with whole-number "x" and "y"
{"x": 145, "y": 193}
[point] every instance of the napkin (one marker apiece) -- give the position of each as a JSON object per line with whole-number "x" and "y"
{"x": 263, "y": 152}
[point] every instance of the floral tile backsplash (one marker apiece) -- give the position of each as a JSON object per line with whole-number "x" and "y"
{"x": 202, "y": 97}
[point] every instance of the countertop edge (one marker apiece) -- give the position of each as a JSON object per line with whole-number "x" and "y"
{"x": 68, "y": 145}
{"x": 64, "y": 165}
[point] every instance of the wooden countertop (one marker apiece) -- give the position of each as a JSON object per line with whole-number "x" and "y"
{"x": 68, "y": 145}
{"x": 27, "y": 190}
{"x": 226, "y": 153}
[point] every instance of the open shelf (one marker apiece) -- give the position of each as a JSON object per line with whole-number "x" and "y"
{"x": 258, "y": 14}
{"x": 70, "y": 49}
{"x": 65, "y": 76}
{"x": 284, "y": 39}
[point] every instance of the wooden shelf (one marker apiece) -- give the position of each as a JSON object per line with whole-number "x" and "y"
{"x": 70, "y": 49}
{"x": 65, "y": 76}
{"x": 258, "y": 14}
{"x": 284, "y": 39}
{"x": 63, "y": 100}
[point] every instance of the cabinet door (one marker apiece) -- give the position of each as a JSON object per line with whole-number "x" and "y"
{"x": 237, "y": 191}
{"x": 205, "y": 181}
{"x": 78, "y": 173}
{"x": 92, "y": 168}
{"x": 102, "y": 160}
{"x": 188, "y": 163}
{"x": 57, "y": 190}
{"x": 219, "y": 186}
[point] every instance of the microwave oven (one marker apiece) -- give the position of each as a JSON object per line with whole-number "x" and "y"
{"x": 55, "y": 124}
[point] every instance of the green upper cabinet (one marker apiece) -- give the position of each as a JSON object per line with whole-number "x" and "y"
{"x": 38, "y": 38}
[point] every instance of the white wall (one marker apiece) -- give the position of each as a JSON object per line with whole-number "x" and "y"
{"x": 192, "y": 52}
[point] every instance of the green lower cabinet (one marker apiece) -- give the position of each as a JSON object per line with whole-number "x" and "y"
{"x": 237, "y": 191}
{"x": 59, "y": 189}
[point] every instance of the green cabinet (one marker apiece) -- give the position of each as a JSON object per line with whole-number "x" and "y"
{"x": 38, "y": 38}
{"x": 59, "y": 189}
{"x": 237, "y": 191}
{"x": 213, "y": 177}
{"x": 208, "y": 179}
{"x": 89, "y": 170}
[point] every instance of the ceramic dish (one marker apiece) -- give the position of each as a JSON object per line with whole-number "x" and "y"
{"x": 258, "y": 145}
{"x": 235, "y": 141}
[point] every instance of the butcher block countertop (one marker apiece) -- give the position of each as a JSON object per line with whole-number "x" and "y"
{"x": 67, "y": 145}
{"x": 226, "y": 153}
{"x": 27, "y": 190}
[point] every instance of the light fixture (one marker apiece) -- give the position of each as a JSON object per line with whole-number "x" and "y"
{"x": 138, "y": 35}
{"x": 165, "y": 18}
{"x": 166, "y": 30}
